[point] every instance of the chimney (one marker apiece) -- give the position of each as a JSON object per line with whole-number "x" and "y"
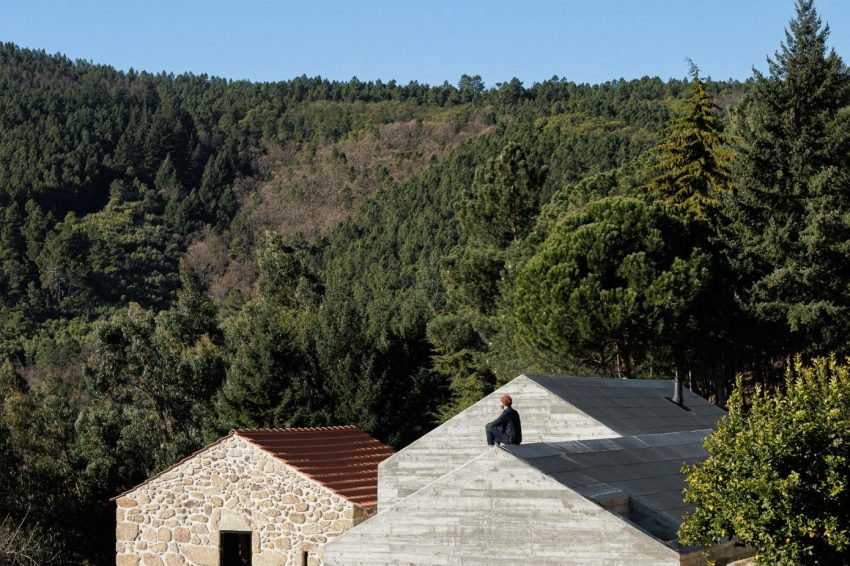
{"x": 677, "y": 390}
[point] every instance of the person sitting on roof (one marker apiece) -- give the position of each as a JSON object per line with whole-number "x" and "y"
{"x": 506, "y": 428}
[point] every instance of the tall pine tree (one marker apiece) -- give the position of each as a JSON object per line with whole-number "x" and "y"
{"x": 498, "y": 212}
{"x": 690, "y": 166}
{"x": 790, "y": 210}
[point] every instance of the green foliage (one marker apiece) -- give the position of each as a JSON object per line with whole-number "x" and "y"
{"x": 503, "y": 199}
{"x": 460, "y": 362}
{"x": 778, "y": 473}
{"x": 610, "y": 286}
{"x": 496, "y": 215}
{"x": 36, "y": 439}
{"x": 791, "y": 203}
{"x": 287, "y": 273}
{"x": 271, "y": 381}
{"x": 10, "y": 381}
{"x": 690, "y": 165}
{"x": 158, "y": 373}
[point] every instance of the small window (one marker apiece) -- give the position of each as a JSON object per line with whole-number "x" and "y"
{"x": 304, "y": 557}
{"x": 235, "y": 548}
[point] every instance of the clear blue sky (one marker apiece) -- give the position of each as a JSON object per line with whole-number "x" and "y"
{"x": 429, "y": 41}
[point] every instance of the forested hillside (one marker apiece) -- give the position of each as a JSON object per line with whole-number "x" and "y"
{"x": 182, "y": 255}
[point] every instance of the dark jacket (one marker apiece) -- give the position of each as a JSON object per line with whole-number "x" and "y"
{"x": 508, "y": 423}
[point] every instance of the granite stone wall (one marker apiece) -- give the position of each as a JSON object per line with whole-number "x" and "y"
{"x": 232, "y": 485}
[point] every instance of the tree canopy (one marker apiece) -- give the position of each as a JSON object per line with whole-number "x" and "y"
{"x": 611, "y": 286}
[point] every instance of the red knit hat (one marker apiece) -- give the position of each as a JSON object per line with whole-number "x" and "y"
{"x": 506, "y": 400}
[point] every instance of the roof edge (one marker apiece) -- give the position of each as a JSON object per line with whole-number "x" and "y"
{"x": 296, "y": 429}
{"x": 172, "y": 466}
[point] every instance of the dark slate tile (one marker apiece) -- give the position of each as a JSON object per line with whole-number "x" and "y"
{"x": 620, "y": 457}
{"x": 532, "y": 450}
{"x": 575, "y": 479}
{"x": 651, "y": 454}
{"x": 578, "y": 461}
{"x": 601, "y": 398}
{"x": 629, "y": 413}
{"x": 573, "y": 447}
{"x": 678, "y": 513}
{"x": 607, "y": 474}
{"x": 682, "y": 453}
{"x": 550, "y": 464}
{"x": 664, "y": 500}
{"x": 698, "y": 435}
{"x": 665, "y": 439}
{"x": 595, "y": 459}
{"x": 625, "y": 472}
{"x": 650, "y": 402}
{"x": 661, "y": 468}
{"x": 603, "y": 444}
{"x": 660, "y": 484}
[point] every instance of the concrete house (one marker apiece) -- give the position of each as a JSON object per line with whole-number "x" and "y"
{"x": 256, "y": 496}
{"x": 597, "y": 480}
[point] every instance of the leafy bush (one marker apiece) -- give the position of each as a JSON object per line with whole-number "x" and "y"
{"x": 778, "y": 474}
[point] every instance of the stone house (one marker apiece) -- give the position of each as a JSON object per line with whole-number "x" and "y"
{"x": 597, "y": 480}
{"x": 255, "y": 496}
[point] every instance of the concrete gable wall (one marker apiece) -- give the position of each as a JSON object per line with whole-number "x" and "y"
{"x": 544, "y": 416}
{"x": 176, "y": 518}
{"x": 496, "y": 510}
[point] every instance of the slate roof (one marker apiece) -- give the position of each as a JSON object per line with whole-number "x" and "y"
{"x": 341, "y": 458}
{"x": 633, "y": 407}
{"x": 647, "y": 468}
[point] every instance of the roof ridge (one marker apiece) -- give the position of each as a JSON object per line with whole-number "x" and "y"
{"x": 295, "y": 429}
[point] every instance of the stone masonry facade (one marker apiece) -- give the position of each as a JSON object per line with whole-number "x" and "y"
{"x": 232, "y": 485}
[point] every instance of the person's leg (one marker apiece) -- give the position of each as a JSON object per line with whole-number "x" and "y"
{"x": 498, "y": 436}
{"x": 494, "y": 435}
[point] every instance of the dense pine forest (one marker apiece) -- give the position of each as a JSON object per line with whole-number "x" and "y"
{"x": 182, "y": 255}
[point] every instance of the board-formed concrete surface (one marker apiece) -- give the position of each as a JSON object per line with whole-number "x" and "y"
{"x": 497, "y": 510}
{"x": 544, "y": 416}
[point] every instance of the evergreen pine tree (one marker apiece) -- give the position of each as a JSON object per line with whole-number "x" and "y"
{"x": 14, "y": 272}
{"x": 503, "y": 201}
{"x": 790, "y": 209}
{"x": 271, "y": 380}
{"x": 498, "y": 212}
{"x": 10, "y": 381}
{"x": 690, "y": 166}
{"x": 612, "y": 285}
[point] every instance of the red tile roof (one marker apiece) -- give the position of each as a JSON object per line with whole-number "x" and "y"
{"x": 341, "y": 458}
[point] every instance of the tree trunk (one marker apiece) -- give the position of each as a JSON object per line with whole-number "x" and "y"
{"x": 624, "y": 362}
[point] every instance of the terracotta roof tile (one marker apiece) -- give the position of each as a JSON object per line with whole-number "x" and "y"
{"x": 341, "y": 458}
